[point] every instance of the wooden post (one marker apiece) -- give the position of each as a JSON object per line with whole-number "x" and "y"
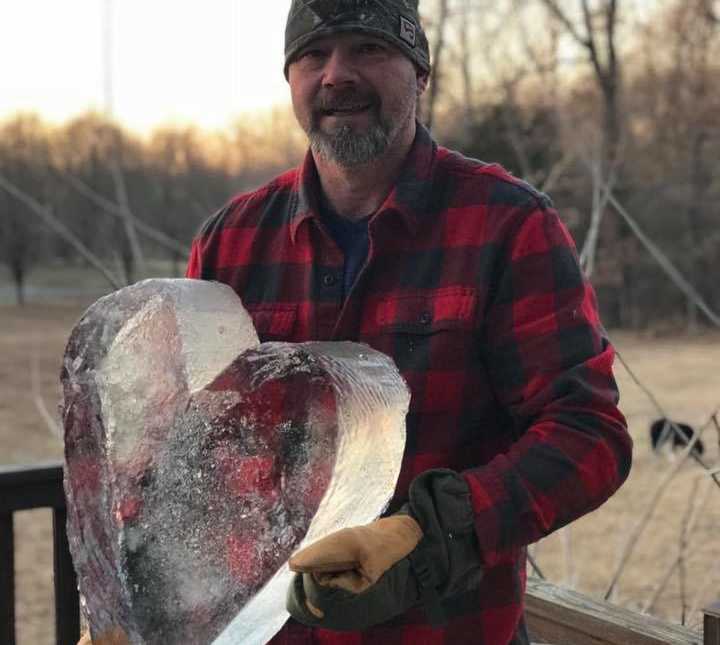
{"x": 7, "y": 579}
{"x": 711, "y": 629}
{"x": 67, "y": 600}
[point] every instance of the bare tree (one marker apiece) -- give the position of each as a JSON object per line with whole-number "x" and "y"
{"x": 694, "y": 56}
{"x": 465, "y": 60}
{"x": 592, "y": 25}
{"x": 128, "y": 221}
{"x": 23, "y": 157}
{"x": 595, "y": 32}
{"x": 676, "y": 124}
{"x": 440, "y": 25}
{"x": 55, "y": 224}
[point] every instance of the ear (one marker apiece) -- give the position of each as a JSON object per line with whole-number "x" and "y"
{"x": 423, "y": 78}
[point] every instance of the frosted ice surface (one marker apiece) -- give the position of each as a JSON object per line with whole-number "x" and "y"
{"x": 198, "y": 459}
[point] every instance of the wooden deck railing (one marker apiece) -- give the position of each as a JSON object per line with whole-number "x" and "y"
{"x": 555, "y": 615}
{"x": 711, "y": 631}
{"x": 564, "y": 617}
{"x": 23, "y": 489}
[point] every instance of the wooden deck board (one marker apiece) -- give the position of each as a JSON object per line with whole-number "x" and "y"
{"x": 564, "y": 617}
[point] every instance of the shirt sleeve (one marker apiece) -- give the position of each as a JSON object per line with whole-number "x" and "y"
{"x": 194, "y": 265}
{"x": 550, "y": 365}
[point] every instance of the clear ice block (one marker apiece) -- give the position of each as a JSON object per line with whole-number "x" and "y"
{"x": 198, "y": 460}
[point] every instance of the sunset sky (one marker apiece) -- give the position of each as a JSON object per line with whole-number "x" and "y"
{"x": 181, "y": 61}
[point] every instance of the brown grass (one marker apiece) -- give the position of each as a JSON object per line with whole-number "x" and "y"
{"x": 681, "y": 371}
{"x": 32, "y": 334}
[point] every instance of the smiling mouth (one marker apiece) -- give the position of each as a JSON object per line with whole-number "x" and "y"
{"x": 348, "y": 110}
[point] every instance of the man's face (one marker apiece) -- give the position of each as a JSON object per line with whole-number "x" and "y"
{"x": 354, "y": 95}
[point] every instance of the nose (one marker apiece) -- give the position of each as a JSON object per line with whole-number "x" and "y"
{"x": 339, "y": 69}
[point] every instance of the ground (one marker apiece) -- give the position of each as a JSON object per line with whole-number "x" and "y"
{"x": 680, "y": 371}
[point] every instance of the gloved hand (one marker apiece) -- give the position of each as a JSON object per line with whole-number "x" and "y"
{"x": 356, "y": 577}
{"x": 366, "y": 575}
{"x": 354, "y": 559}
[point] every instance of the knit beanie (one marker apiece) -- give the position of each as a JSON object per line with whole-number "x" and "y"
{"x": 396, "y": 21}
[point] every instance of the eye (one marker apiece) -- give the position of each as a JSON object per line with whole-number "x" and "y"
{"x": 311, "y": 59}
{"x": 311, "y": 55}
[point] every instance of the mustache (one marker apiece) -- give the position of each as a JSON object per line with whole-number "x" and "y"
{"x": 343, "y": 99}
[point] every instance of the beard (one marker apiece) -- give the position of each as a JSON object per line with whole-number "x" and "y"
{"x": 348, "y": 148}
{"x": 348, "y": 145}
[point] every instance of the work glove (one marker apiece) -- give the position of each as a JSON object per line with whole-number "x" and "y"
{"x": 366, "y": 575}
{"x": 354, "y": 559}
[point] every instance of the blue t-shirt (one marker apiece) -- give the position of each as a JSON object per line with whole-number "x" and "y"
{"x": 352, "y": 238}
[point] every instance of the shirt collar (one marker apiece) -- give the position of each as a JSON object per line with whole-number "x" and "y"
{"x": 410, "y": 197}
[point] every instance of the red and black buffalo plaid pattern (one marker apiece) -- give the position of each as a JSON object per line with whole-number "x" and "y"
{"x": 472, "y": 285}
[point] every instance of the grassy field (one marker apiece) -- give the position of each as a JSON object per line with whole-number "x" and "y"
{"x": 76, "y": 283}
{"x": 681, "y": 372}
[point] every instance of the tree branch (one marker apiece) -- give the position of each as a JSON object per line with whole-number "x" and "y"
{"x": 52, "y": 423}
{"x": 116, "y": 211}
{"x": 556, "y": 171}
{"x": 692, "y": 513}
{"x": 592, "y": 45}
{"x": 610, "y": 28}
{"x": 51, "y": 221}
{"x": 562, "y": 17}
{"x": 649, "y": 510}
{"x": 127, "y": 216}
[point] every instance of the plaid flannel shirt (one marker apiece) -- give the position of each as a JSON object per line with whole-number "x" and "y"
{"x": 473, "y": 286}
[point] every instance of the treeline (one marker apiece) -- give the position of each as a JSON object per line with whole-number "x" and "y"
{"x": 609, "y": 106}
{"x": 91, "y": 192}
{"x": 613, "y": 108}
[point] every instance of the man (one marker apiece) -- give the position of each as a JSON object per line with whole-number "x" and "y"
{"x": 467, "y": 278}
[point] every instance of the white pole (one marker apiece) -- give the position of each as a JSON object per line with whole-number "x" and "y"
{"x": 108, "y": 58}
{"x": 235, "y": 53}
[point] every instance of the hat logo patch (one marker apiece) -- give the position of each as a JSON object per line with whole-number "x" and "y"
{"x": 407, "y": 31}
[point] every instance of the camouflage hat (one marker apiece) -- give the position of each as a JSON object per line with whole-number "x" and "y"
{"x": 396, "y": 21}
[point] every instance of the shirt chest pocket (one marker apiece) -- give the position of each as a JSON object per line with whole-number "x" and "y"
{"x": 428, "y": 331}
{"x": 274, "y": 322}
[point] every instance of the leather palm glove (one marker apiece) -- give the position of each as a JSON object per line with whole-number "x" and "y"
{"x": 354, "y": 559}
{"x": 363, "y": 576}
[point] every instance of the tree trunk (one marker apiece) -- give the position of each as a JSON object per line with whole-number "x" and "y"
{"x": 465, "y": 68}
{"x": 698, "y": 186}
{"x": 435, "y": 73}
{"x": 18, "y": 273}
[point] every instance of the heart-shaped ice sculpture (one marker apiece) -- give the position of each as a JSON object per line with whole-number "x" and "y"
{"x": 198, "y": 460}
